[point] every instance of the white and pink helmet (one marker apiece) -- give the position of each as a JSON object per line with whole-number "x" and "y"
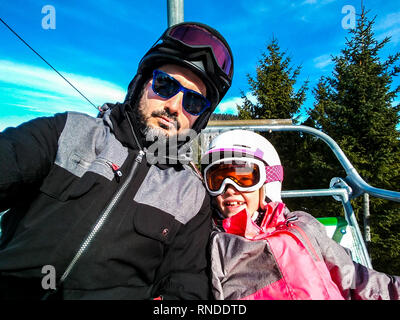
{"x": 250, "y": 147}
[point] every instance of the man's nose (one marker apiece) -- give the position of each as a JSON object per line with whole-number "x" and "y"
{"x": 174, "y": 104}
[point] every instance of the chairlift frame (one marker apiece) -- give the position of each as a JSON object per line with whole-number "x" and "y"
{"x": 341, "y": 189}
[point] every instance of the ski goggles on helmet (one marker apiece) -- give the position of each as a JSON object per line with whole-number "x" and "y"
{"x": 166, "y": 87}
{"x": 195, "y": 35}
{"x": 245, "y": 175}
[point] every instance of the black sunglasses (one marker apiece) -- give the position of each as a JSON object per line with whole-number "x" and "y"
{"x": 166, "y": 87}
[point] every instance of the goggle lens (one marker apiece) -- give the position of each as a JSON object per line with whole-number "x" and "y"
{"x": 244, "y": 174}
{"x": 197, "y": 36}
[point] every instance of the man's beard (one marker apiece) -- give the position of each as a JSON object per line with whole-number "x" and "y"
{"x": 162, "y": 147}
{"x": 153, "y": 132}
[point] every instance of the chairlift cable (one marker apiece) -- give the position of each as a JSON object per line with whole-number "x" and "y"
{"x": 47, "y": 62}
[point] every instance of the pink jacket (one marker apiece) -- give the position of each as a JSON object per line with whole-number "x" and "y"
{"x": 288, "y": 257}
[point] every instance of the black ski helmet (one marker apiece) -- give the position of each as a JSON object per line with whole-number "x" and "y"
{"x": 197, "y": 47}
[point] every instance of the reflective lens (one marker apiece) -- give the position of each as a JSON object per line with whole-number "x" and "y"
{"x": 243, "y": 173}
{"x": 166, "y": 87}
{"x": 198, "y": 36}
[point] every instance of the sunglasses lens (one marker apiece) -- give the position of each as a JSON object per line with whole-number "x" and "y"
{"x": 197, "y": 36}
{"x": 194, "y": 103}
{"x": 244, "y": 174}
{"x": 164, "y": 85}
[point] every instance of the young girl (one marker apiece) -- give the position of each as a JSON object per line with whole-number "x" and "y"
{"x": 261, "y": 250}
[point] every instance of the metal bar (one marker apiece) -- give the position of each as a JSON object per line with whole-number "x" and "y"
{"x": 236, "y": 123}
{"x": 352, "y": 221}
{"x": 175, "y": 12}
{"x": 353, "y": 178}
{"x": 314, "y": 193}
{"x": 367, "y": 228}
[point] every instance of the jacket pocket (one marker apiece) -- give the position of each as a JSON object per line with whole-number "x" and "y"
{"x": 155, "y": 224}
{"x": 62, "y": 185}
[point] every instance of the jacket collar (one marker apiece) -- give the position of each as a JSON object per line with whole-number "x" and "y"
{"x": 116, "y": 117}
{"x": 241, "y": 223}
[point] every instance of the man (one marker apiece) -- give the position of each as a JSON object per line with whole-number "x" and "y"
{"x": 87, "y": 209}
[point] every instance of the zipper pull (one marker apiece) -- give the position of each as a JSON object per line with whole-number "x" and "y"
{"x": 117, "y": 172}
{"x": 291, "y": 219}
{"x": 140, "y": 155}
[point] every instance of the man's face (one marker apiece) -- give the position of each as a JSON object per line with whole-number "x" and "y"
{"x": 168, "y": 116}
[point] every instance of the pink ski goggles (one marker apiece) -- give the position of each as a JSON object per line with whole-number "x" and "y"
{"x": 194, "y": 35}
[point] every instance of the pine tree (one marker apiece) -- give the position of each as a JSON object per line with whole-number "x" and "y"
{"x": 276, "y": 98}
{"x": 355, "y": 106}
{"x": 274, "y": 88}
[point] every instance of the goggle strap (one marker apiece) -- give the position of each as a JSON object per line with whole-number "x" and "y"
{"x": 274, "y": 173}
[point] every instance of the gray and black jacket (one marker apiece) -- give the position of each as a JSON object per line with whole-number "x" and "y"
{"x": 64, "y": 176}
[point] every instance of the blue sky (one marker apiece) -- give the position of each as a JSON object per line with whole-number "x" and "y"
{"x": 97, "y": 44}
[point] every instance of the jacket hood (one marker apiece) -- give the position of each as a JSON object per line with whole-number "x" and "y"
{"x": 115, "y": 117}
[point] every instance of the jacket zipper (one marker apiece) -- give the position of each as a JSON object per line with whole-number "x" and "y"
{"x": 99, "y": 224}
{"x": 307, "y": 241}
{"x": 103, "y": 217}
{"x": 289, "y": 225}
{"x": 115, "y": 169}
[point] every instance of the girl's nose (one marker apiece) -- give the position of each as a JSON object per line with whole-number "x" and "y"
{"x": 230, "y": 189}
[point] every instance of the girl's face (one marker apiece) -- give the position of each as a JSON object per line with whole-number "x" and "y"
{"x": 233, "y": 201}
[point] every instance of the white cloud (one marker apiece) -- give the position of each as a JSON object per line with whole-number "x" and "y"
{"x": 389, "y": 21}
{"x": 255, "y": 7}
{"x": 27, "y": 89}
{"x": 394, "y": 35}
{"x": 309, "y": 2}
{"x": 46, "y": 83}
{"x": 322, "y": 61}
{"x": 319, "y": 2}
{"x": 389, "y": 27}
{"x": 230, "y": 106}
